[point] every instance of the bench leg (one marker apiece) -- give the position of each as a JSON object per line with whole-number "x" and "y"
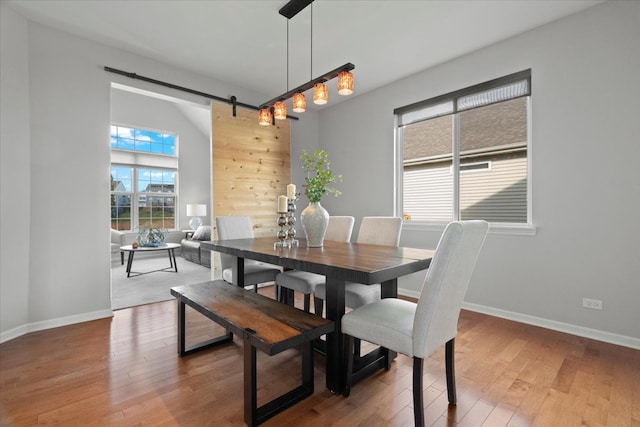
{"x": 183, "y": 350}
{"x": 254, "y": 415}
{"x": 250, "y": 384}
{"x": 181, "y": 327}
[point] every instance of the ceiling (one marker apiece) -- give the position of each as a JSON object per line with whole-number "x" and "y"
{"x": 245, "y": 42}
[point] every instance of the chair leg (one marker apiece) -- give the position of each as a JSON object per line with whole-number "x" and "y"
{"x": 318, "y": 306}
{"x": 348, "y": 355}
{"x": 356, "y": 346}
{"x": 450, "y": 369}
{"x": 121, "y": 257}
{"x": 418, "y": 409}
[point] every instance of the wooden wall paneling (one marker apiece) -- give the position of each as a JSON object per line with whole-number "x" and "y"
{"x": 251, "y": 166}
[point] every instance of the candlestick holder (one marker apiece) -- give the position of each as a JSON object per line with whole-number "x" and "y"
{"x": 291, "y": 222}
{"x": 283, "y": 232}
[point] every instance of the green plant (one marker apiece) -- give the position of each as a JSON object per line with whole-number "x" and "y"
{"x": 319, "y": 176}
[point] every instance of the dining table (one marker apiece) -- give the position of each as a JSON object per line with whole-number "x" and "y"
{"x": 339, "y": 262}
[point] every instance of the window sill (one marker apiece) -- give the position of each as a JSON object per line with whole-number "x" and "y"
{"x": 494, "y": 228}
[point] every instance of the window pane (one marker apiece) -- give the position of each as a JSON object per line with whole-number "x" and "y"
{"x": 142, "y": 140}
{"x": 121, "y": 212}
{"x": 427, "y": 178}
{"x": 496, "y": 134}
{"x": 156, "y": 148}
{"x": 121, "y": 178}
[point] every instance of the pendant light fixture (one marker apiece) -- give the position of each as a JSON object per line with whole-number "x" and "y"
{"x": 320, "y": 94}
{"x": 264, "y": 117}
{"x": 299, "y": 102}
{"x": 280, "y": 110}
{"x": 277, "y": 106}
{"x": 345, "y": 83}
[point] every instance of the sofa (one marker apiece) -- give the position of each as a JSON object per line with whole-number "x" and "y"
{"x": 117, "y": 240}
{"x": 190, "y": 246}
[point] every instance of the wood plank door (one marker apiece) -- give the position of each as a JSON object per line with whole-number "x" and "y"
{"x": 251, "y": 166}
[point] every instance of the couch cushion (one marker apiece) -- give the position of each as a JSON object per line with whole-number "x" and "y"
{"x": 202, "y": 233}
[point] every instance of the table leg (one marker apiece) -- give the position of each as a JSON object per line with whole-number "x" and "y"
{"x": 172, "y": 259}
{"x": 335, "y": 344}
{"x": 237, "y": 272}
{"x": 129, "y": 262}
{"x": 389, "y": 289}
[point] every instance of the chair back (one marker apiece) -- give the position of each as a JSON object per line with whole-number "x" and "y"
{"x": 232, "y": 227}
{"x": 447, "y": 280}
{"x": 380, "y": 230}
{"x": 339, "y": 228}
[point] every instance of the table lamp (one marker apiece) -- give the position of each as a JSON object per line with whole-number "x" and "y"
{"x": 196, "y": 211}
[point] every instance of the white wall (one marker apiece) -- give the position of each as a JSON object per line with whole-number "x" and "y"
{"x": 586, "y": 180}
{"x": 55, "y": 268}
{"x": 14, "y": 171}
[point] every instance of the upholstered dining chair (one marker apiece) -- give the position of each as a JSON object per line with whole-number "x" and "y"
{"x": 374, "y": 230}
{"x": 418, "y": 330}
{"x": 339, "y": 229}
{"x": 240, "y": 227}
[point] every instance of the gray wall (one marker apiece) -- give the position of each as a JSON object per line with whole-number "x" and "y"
{"x": 15, "y": 177}
{"x": 55, "y": 145}
{"x": 586, "y": 180}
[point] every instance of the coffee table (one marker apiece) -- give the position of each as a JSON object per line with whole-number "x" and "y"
{"x": 169, "y": 247}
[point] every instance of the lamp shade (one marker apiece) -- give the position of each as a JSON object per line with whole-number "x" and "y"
{"x": 320, "y": 94}
{"x": 345, "y": 83}
{"x": 299, "y": 102}
{"x": 264, "y": 117}
{"x": 196, "y": 210}
{"x": 280, "y": 110}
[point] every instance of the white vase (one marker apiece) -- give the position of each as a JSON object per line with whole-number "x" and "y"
{"x": 314, "y": 219}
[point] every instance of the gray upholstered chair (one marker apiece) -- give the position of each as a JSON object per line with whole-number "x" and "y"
{"x": 418, "y": 330}
{"x": 240, "y": 227}
{"x": 339, "y": 229}
{"x": 374, "y": 230}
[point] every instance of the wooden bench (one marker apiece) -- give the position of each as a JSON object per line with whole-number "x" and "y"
{"x": 264, "y": 324}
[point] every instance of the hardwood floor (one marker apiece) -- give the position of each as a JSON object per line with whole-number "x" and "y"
{"x": 126, "y": 371}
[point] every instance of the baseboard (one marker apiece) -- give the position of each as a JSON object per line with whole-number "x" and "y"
{"x": 568, "y": 328}
{"x": 581, "y": 331}
{"x": 53, "y": 323}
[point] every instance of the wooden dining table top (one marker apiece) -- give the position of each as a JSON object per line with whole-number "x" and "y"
{"x": 356, "y": 262}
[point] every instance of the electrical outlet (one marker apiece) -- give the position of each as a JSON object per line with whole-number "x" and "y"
{"x": 594, "y": 304}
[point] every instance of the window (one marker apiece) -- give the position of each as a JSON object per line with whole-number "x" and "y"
{"x": 143, "y": 186}
{"x": 464, "y": 155}
{"x": 142, "y": 141}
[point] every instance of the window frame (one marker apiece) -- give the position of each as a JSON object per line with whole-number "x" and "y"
{"x": 527, "y": 228}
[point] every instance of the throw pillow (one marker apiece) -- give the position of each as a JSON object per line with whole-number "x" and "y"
{"x": 202, "y": 233}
